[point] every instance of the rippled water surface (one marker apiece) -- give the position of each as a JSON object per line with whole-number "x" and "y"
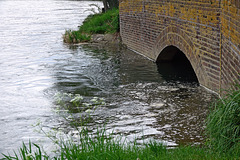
{"x": 35, "y": 64}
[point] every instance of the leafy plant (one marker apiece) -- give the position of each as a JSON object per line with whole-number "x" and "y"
{"x": 75, "y": 104}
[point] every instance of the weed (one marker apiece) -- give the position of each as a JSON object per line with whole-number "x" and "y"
{"x": 99, "y": 23}
{"x": 27, "y": 153}
{"x": 78, "y": 109}
{"x": 223, "y": 123}
{"x": 103, "y": 146}
{"x": 75, "y": 37}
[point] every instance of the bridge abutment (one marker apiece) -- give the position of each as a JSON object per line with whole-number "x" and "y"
{"x": 207, "y": 32}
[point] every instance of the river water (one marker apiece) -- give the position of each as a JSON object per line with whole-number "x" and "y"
{"x": 35, "y": 64}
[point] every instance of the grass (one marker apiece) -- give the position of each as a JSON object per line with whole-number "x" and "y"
{"x": 105, "y": 147}
{"x": 76, "y": 37}
{"x": 100, "y": 23}
{"x": 30, "y": 152}
{"x": 223, "y": 123}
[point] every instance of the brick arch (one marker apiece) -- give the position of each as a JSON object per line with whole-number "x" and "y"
{"x": 173, "y": 36}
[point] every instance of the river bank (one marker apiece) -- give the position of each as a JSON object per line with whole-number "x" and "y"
{"x": 36, "y": 65}
{"x": 96, "y": 28}
{"x": 105, "y": 39}
{"x": 213, "y": 132}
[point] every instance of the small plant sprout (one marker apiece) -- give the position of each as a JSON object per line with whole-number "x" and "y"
{"x": 88, "y": 111}
{"x": 97, "y": 101}
{"x": 58, "y": 97}
{"x": 77, "y": 99}
{"x": 87, "y": 105}
{"x": 73, "y": 107}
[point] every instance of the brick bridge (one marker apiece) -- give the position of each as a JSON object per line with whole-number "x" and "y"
{"x": 206, "y": 31}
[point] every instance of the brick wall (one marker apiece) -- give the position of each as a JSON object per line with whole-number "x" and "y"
{"x": 195, "y": 27}
{"x": 230, "y": 48}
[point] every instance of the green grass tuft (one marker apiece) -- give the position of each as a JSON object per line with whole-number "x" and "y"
{"x": 101, "y": 23}
{"x": 103, "y": 146}
{"x": 223, "y": 123}
{"x": 27, "y": 153}
{"x": 75, "y": 37}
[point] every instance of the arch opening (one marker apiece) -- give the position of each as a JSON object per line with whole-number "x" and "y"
{"x": 173, "y": 65}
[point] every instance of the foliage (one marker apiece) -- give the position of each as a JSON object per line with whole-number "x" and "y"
{"x": 223, "y": 123}
{"x": 103, "y": 146}
{"x": 94, "y": 24}
{"x": 78, "y": 109}
{"x": 27, "y": 153}
{"x": 75, "y": 37}
{"x": 101, "y": 23}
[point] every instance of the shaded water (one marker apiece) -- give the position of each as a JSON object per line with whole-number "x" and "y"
{"x": 35, "y": 64}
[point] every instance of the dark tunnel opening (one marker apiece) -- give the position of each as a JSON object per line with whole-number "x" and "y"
{"x": 173, "y": 65}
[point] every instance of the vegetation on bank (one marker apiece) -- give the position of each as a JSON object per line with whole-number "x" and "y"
{"x": 100, "y": 23}
{"x": 223, "y": 130}
{"x": 106, "y": 147}
{"x": 223, "y": 124}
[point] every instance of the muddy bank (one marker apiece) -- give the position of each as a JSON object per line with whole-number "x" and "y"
{"x": 107, "y": 41}
{"x": 106, "y": 38}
